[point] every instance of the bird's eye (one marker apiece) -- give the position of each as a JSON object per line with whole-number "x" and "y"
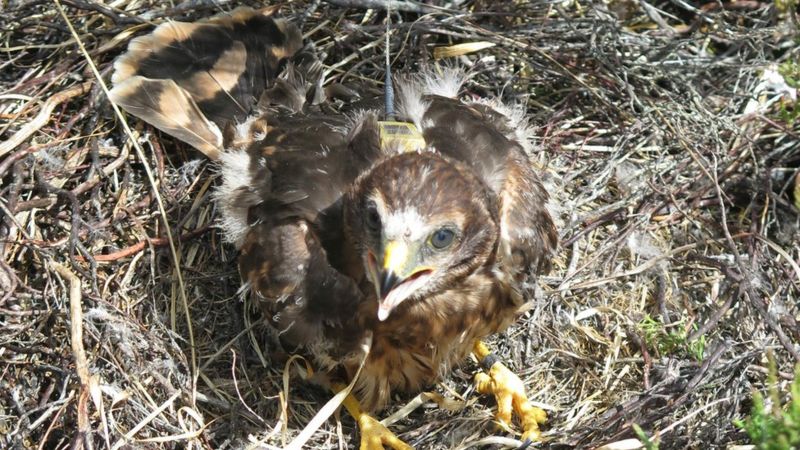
{"x": 373, "y": 219}
{"x": 442, "y": 238}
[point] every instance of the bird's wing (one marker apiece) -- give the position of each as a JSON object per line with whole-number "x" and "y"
{"x": 191, "y": 80}
{"x": 238, "y": 87}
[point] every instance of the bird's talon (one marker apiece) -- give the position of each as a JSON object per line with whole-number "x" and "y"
{"x": 527, "y": 442}
{"x": 375, "y": 436}
{"x": 509, "y": 391}
{"x": 532, "y": 434}
{"x": 503, "y": 425}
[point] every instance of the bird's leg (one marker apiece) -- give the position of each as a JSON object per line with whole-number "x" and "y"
{"x": 509, "y": 391}
{"x": 374, "y": 435}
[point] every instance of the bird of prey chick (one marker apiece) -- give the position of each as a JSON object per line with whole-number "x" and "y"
{"x": 344, "y": 232}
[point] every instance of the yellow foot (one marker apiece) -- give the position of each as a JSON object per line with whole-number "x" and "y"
{"x": 374, "y": 435}
{"x": 509, "y": 391}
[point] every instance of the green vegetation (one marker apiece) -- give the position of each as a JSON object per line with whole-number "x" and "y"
{"x": 790, "y": 71}
{"x": 666, "y": 342}
{"x": 647, "y": 442}
{"x": 771, "y": 425}
{"x": 786, "y": 6}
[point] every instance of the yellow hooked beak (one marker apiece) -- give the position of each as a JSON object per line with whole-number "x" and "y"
{"x": 400, "y": 275}
{"x": 395, "y": 258}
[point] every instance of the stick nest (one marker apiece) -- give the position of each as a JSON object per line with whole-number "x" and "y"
{"x": 668, "y": 141}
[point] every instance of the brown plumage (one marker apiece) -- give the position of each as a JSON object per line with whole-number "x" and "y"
{"x": 340, "y": 236}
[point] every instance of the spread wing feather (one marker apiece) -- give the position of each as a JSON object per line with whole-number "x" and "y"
{"x": 211, "y": 73}
{"x": 168, "y": 107}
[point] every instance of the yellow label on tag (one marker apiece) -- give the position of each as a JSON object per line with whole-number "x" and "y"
{"x": 402, "y": 134}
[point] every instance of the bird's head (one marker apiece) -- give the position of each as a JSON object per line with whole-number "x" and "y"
{"x": 420, "y": 222}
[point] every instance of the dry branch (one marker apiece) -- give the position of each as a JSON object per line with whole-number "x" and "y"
{"x": 395, "y": 5}
{"x": 78, "y": 352}
{"x": 44, "y": 116}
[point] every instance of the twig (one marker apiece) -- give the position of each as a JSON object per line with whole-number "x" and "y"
{"x": 106, "y": 11}
{"x": 683, "y": 419}
{"x": 236, "y": 387}
{"x": 107, "y": 170}
{"x": 139, "y": 246}
{"x": 633, "y": 335}
{"x": 748, "y": 285}
{"x": 55, "y": 421}
{"x": 650, "y": 263}
{"x": 78, "y": 352}
{"x": 74, "y": 232}
{"x": 13, "y": 282}
{"x": 655, "y": 15}
{"x": 719, "y": 313}
{"x": 43, "y": 117}
{"x": 397, "y": 5}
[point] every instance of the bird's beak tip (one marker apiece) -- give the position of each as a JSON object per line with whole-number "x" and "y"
{"x": 383, "y": 313}
{"x": 393, "y": 285}
{"x": 388, "y": 280}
